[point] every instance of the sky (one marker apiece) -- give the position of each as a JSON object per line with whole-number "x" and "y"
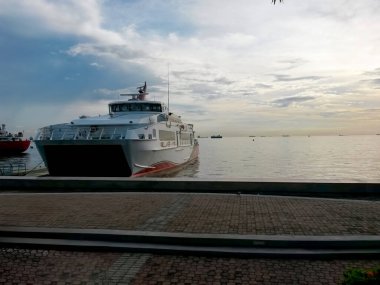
{"x": 235, "y": 68}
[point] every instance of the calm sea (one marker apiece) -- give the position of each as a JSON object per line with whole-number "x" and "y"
{"x": 267, "y": 158}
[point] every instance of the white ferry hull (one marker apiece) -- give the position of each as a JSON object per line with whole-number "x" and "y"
{"x": 136, "y": 138}
{"x": 112, "y": 158}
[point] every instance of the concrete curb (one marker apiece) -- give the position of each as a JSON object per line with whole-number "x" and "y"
{"x": 187, "y": 243}
{"x": 99, "y": 184}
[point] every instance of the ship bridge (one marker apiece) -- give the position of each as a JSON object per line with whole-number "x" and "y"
{"x": 118, "y": 108}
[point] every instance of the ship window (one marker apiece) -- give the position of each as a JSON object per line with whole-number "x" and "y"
{"x": 145, "y": 107}
{"x": 135, "y": 107}
{"x": 185, "y": 138}
{"x": 156, "y": 107}
{"x": 154, "y": 133}
{"x": 162, "y": 117}
{"x": 166, "y": 135}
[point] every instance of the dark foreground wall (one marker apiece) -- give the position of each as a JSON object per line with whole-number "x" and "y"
{"x": 342, "y": 189}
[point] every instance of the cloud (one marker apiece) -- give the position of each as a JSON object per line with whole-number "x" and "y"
{"x": 223, "y": 80}
{"x": 286, "y": 102}
{"x": 371, "y": 78}
{"x": 376, "y": 82}
{"x": 206, "y": 91}
{"x": 283, "y": 77}
{"x": 96, "y": 65}
{"x": 251, "y": 56}
{"x": 340, "y": 89}
{"x": 262, "y": 86}
{"x": 80, "y": 18}
{"x": 116, "y": 52}
{"x": 375, "y": 72}
{"x": 292, "y": 63}
{"x": 202, "y": 76}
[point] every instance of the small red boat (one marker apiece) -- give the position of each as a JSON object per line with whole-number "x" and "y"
{"x": 12, "y": 143}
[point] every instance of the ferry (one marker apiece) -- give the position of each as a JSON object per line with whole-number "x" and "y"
{"x": 12, "y": 143}
{"x": 136, "y": 138}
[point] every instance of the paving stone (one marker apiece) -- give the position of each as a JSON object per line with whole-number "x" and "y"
{"x": 187, "y": 213}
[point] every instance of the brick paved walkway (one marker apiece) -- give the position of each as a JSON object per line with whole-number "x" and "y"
{"x": 21, "y": 266}
{"x": 188, "y": 213}
{"x": 193, "y": 213}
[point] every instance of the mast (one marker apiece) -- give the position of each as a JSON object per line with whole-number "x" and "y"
{"x": 140, "y": 95}
{"x": 168, "y": 88}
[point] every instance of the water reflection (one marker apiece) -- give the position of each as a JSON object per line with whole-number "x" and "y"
{"x": 190, "y": 170}
{"x": 268, "y": 158}
{"x": 15, "y": 158}
{"x": 28, "y": 160}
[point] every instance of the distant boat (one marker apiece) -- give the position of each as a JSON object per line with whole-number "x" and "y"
{"x": 12, "y": 143}
{"x": 216, "y": 137}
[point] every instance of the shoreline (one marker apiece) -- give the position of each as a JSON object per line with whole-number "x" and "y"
{"x": 319, "y": 188}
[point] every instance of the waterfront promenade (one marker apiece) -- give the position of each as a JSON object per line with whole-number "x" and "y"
{"x": 182, "y": 213}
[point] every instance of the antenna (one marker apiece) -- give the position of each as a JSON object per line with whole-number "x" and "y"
{"x": 168, "y": 87}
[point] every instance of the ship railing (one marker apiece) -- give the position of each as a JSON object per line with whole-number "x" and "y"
{"x": 13, "y": 169}
{"x": 82, "y": 133}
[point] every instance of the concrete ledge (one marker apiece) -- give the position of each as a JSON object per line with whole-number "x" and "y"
{"x": 354, "y": 188}
{"x": 180, "y": 243}
{"x": 241, "y": 252}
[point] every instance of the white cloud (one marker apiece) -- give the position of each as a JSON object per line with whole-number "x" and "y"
{"x": 80, "y": 18}
{"x": 226, "y": 56}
